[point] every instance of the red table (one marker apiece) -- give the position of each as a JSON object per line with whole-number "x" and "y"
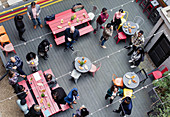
{"x": 66, "y": 16}
{"x": 37, "y": 92}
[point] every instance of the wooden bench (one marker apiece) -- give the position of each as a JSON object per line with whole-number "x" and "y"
{"x": 29, "y": 98}
{"x": 82, "y": 31}
{"x": 63, "y": 107}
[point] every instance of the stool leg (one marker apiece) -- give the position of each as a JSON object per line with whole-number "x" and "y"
{"x": 6, "y": 54}
{"x": 75, "y": 80}
{"x": 136, "y": 1}
{"x": 115, "y": 36}
{"x": 117, "y": 41}
{"x": 14, "y": 51}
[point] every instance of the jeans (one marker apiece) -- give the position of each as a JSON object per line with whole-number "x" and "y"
{"x": 103, "y": 40}
{"x": 68, "y": 45}
{"x": 34, "y": 21}
{"x": 19, "y": 69}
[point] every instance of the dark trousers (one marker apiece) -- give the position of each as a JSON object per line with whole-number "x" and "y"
{"x": 120, "y": 109}
{"x": 106, "y": 96}
{"x": 116, "y": 23}
{"x": 19, "y": 69}
{"x": 61, "y": 102}
{"x": 20, "y": 35}
{"x": 68, "y": 45}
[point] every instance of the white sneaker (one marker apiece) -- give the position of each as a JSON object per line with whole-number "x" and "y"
{"x": 100, "y": 41}
{"x": 133, "y": 66}
{"x": 103, "y": 47}
{"x": 130, "y": 61}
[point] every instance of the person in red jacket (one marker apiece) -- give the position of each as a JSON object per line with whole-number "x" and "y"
{"x": 101, "y": 19}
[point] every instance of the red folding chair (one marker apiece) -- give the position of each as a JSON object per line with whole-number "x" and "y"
{"x": 158, "y": 73}
{"x": 120, "y": 36}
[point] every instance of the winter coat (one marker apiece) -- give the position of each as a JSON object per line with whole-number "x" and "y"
{"x": 69, "y": 97}
{"x": 101, "y": 18}
{"x": 107, "y": 32}
{"x": 76, "y": 35}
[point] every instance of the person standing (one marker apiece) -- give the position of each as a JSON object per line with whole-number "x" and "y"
{"x": 125, "y": 107}
{"x": 13, "y": 78}
{"x": 113, "y": 92}
{"x": 71, "y": 97}
{"x": 117, "y": 18}
{"x": 15, "y": 63}
{"x": 137, "y": 57}
{"x": 33, "y": 12}
{"x": 43, "y": 48}
{"x": 101, "y": 19}
{"x": 32, "y": 61}
{"x": 20, "y": 26}
{"x": 108, "y": 31}
{"x": 71, "y": 36}
{"x": 58, "y": 95}
{"x": 81, "y": 112}
{"x": 137, "y": 40}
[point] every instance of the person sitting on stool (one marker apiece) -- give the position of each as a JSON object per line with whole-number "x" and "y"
{"x": 71, "y": 35}
{"x": 137, "y": 40}
{"x": 58, "y": 95}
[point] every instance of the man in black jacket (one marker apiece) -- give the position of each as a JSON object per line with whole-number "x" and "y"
{"x": 43, "y": 48}
{"x": 20, "y": 26}
{"x": 19, "y": 90}
{"x": 71, "y": 35}
{"x": 35, "y": 111}
{"x": 58, "y": 95}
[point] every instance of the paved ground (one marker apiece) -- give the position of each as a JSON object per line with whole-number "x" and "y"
{"x": 8, "y": 108}
{"x": 92, "y": 90}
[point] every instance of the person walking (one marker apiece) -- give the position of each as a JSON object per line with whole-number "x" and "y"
{"x": 137, "y": 40}
{"x": 15, "y": 63}
{"x": 43, "y": 48}
{"x": 81, "y": 112}
{"x": 101, "y": 19}
{"x": 32, "y": 61}
{"x": 137, "y": 57}
{"x": 58, "y": 95}
{"x": 108, "y": 31}
{"x": 20, "y": 26}
{"x": 71, "y": 97}
{"x": 13, "y": 78}
{"x": 71, "y": 36}
{"x": 117, "y": 19}
{"x": 113, "y": 92}
{"x": 33, "y": 12}
{"x": 125, "y": 107}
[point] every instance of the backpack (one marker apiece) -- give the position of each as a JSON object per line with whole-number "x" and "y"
{"x": 49, "y": 18}
{"x": 77, "y": 7}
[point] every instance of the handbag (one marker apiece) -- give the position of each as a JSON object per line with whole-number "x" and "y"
{"x": 49, "y": 18}
{"x": 77, "y": 7}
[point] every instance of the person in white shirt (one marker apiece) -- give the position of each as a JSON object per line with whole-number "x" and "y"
{"x": 32, "y": 61}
